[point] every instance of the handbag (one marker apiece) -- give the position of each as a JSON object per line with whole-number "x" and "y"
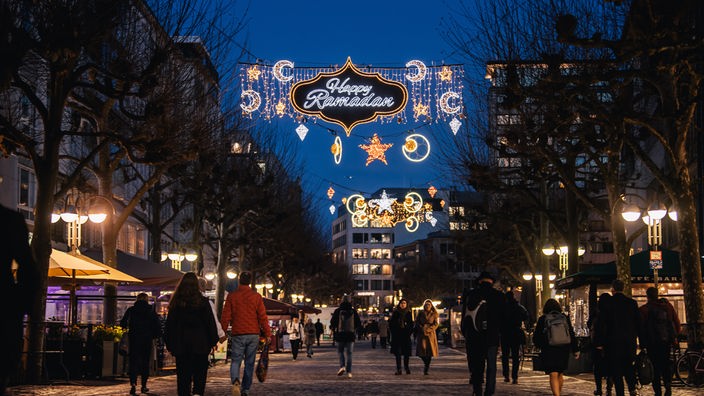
{"x": 263, "y": 363}
{"x": 644, "y": 368}
{"x": 124, "y": 346}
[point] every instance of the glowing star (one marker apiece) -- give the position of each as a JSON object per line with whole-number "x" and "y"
{"x": 455, "y": 125}
{"x": 445, "y": 74}
{"x": 432, "y": 191}
{"x": 332, "y": 209}
{"x": 253, "y": 73}
{"x": 280, "y": 108}
{"x": 382, "y": 204}
{"x": 331, "y": 192}
{"x": 302, "y": 131}
{"x": 420, "y": 109}
{"x": 375, "y": 150}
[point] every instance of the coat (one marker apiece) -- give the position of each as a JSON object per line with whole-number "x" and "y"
{"x": 401, "y": 326}
{"x": 244, "y": 310}
{"x": 383, "y": 328}
{"x": 427, "y": 340}
{"x": 191, "y": 330}
{"x": 309, "y": 331}
{"x": 143, "y": 324}
{"x": 554, "y": 358}
{"x": 495, "y": 303}
{"x": 344, "y": 336}
{"x": 622, "y": 321}
{"x": 514, "y": 316}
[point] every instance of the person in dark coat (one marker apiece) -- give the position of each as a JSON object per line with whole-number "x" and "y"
{"x": 373, "y": 331}
{"x": 19, "y": 290}
{"x": 143, "y": 324}
{"x": 622, "y": 331}
{"x": 597, "y": 331}
{"x": 482, "y": 346}
{"x": 512, "y": 336}
{"x": 318, "y": 331}
{"x": 554, "y": 357}
{"x": 401, "y": 327}
{"x": 383, "y": 331}
{"x": 190, "y": 335}
{"x": 344, "y": 338}
{"x": 661, "y": 326}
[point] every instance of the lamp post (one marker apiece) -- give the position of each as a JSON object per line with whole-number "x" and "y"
{"x": 538, "y": 288}
{"x": 653, "y": 220}
{"x": 563, "y": 254}
{"x": 177, "y": 256}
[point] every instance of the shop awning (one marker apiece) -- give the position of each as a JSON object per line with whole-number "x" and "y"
{"x": 640, "y": 271}
{"x": 151, "y": 274}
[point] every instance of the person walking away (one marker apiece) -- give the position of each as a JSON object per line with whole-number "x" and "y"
{"x": 295, "y": 335}
{"x": 383, "y": 332}
{"x": 343, "y": 323}
{"x": 18, "y": 291}
{"x": 401, "y": 327}
{"x": 143, "y": 327}
{"x": 661, "y": 327}
{"x": 373, "y": 331}
{"x": 319, "y": 330}
{"x": 482, "y": 312}
{"x": 555, "y": 337}
{"x": 244, "y": 311}
{"x": 310, "y": 336}
{"x": 622, "y": 331}
{"x": 190, "y": 335}
{"x": 512, "y": 336}
{"x": 597, "y": 330}
{"x": 426, "y": 325}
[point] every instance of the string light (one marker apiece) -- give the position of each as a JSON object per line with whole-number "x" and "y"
{"x": 376, "y": 150}
{"x": 445, "y": 74}
{"x": 276, "y": 70}
{"x": 416, "y": 148}
{"x": 444, "y": 102}
{"x": 331, "y": 192}
{"x": 253, "y": 73}
{"x": 255, "y": 100}
{"x": 386, "y": 212}
{"x": 422, "y": 70}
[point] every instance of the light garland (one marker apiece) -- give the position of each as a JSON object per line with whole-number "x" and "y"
{"x": 376, "y": 150}
{"x": 276, "y": 70}
{"x": 386, "y": 212}
{"x": 444, "y": 105}
{"x": 255, "y": 100}
{"x": 422, "y": 71}
{"x": 445, "y": 74}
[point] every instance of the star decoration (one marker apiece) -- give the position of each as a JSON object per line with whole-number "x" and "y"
{"x": 331, "y": 192}
{"x": 253, "y": 73}
{"x": 280, "y": 108}
{"x": 382, "y": 204}
{"x": 445, "y": 74}
{"x": 302, "y": 131}
{"x": 420, "y": 109}
{"x": 455, "y": 125}
{"x": 375, "y": 150}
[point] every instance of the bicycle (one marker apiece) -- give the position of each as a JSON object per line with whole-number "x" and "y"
{"x": 690, "y": 368}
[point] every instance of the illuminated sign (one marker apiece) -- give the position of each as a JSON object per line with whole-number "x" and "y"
{"x": 349, "y": 97}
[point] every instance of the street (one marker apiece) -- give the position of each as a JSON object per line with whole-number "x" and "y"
{"x": 373, "y": 373}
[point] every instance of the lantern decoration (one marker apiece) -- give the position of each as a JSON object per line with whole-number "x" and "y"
{"x": 375, "y": 150}
{"x": 332, "y": 209}
{"x": 432, "y": 191}
{"x": 386, "y": 211}
{"x": 331, "y": 192}
{"x": 416, "y": 148}
{"x": 302, "y": 131}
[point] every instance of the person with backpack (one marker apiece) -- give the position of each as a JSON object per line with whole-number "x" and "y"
{"x": 620, "y": 343}
{"x": 482, "y": 313}
{"x": 555, "y": 337}
{"x": 343, "y": 323}
{"x": 401, "y": 327}
{"x": 512, "y": 336}
{"x": 661, "y": 326}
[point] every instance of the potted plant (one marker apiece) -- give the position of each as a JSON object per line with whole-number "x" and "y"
{"x": 107, "y": 339}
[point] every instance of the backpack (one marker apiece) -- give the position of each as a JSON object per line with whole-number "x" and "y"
{"x": 659, "y": 329}
{"x": 345, "y": 322}
{"x": 557, "y": 329}
{"x": 477, "y": 318}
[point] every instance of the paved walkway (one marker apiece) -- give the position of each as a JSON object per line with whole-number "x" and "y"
{"x": 373, "y": 374}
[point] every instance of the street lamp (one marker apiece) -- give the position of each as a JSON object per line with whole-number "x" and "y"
{"x": 177, "y": 256}
{"x": 75, "y": 215}
{"x": 563, "y": 254}
{"x": 538, "y": 287}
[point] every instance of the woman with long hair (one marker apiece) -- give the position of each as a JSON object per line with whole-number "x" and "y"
{"x": 426, "y": 324}
{"x": 554, "y": 357}
{"x": 190, "y": 335}
{"x": 401, "y": 326}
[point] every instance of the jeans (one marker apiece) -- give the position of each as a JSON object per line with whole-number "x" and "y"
{"x": 512, "y": 352}
{"x": 344, "y": 351}
{"x": 189, "y": 367}
{"x": 243, "y": 347}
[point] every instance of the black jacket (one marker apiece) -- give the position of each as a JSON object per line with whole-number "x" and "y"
{"x": 622, "y": 324}
{"x": 191, "y": 330}
{"x": 514, "y": 316}
{"x": 495, "y": 303}
{"x": 142, "y": 322}
{"x": 401, "y": 328}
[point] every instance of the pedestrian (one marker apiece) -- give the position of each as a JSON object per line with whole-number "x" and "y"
{"x": 244, "y": 310}
{"x": 661, "y": 326}
{"x": 190, "y": 335}
{"x": 17, "y": 292}
{"x": 143, "y": 327}
{"x": 555, "y": 355}
{"x": 319, "y": 330}
{"x": 512, "y": 336}
{"x": 622, "y": 330}
{"x": 310, "y": 335}
{"x": 401, "y": 327}
{"x": 426, "y": 325}
{"x": 597, "y": 332}
{"x": 373, "y": 331}
{"x": 295, "y": 335}
{"x": 482, "y": 312}
{"x": 343, "y": 324}
{"x": 383, "y": 332}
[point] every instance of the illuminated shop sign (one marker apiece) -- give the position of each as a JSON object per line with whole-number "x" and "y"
{"x": 349, "y": 97}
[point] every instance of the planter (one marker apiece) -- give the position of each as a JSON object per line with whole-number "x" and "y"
{"x": 75, "y": 356}
{"x": 112, "y": 363}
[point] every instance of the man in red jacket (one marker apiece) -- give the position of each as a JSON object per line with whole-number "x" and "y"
{"x": 244, "y": 310}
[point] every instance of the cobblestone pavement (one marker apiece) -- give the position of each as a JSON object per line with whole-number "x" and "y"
{"x": 373, "y": 374}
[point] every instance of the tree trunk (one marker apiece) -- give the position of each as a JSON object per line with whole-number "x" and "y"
{"x": 221, "y": 270}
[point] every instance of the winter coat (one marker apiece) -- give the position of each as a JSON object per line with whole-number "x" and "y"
{"x": 309, "y": 331}
{"x": 344, "y": 336}
{"x": 514, "y": 316}
{"x": 622, "y": 326}
{"x": 191, "y": 330}
{"x": 401, "y": 326}
{"x": 244, "y": 309}
{"x": 427, "y": 340}
{"x": 554, "y": 358}
{"x": 671, "y": 317}
{"x": 495, "y": 303}
{"x": 143, "y": 324}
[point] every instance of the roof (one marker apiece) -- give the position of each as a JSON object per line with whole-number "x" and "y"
{"x": 151, "y": 274}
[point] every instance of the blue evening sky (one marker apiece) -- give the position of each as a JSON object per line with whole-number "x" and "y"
{"x": 377, "y": 33}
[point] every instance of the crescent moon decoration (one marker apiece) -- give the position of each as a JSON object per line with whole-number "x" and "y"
{"x": 444, "y": 105}
{"x": 358, "y": 202}
{"x": 254, "y": 101}
{"x": 359, "y": 219}
{"x": 413, "y": 202}
{"x": 337, "y": 150}
{"x": 412, "y": 224}
{"x": 416, "y": 148}
{"x": 278, "y": 66}
{"x": 422, "y": 71}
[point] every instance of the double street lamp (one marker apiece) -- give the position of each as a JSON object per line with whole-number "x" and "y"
{"x": 563, "y": 254}
{"x": 75, "y": 214}
{"x": 538, "y": 287}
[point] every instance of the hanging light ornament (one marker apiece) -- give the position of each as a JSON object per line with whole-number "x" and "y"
{"x": 420, "y": 109}
{"x": 445, "y": 74}
{"x": 253, "y": 73}
{"x": 416, "y": 148}
{"x": 336, "y": 150}
{"x": 280, "y": 108}
{"x": 455, "y": 125}
{"x": 375, "y": 150}
{"x": 432, "y": 191}
{"x": 331, "y": 192}
{"x": 302, "y": 131}
{"x": 444, "y": 102}
{"x": 420, "y": 75}
{"x": 254, "y": 101}
{"x": 332, "y": 209}
{"x": 276, "y": 70}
